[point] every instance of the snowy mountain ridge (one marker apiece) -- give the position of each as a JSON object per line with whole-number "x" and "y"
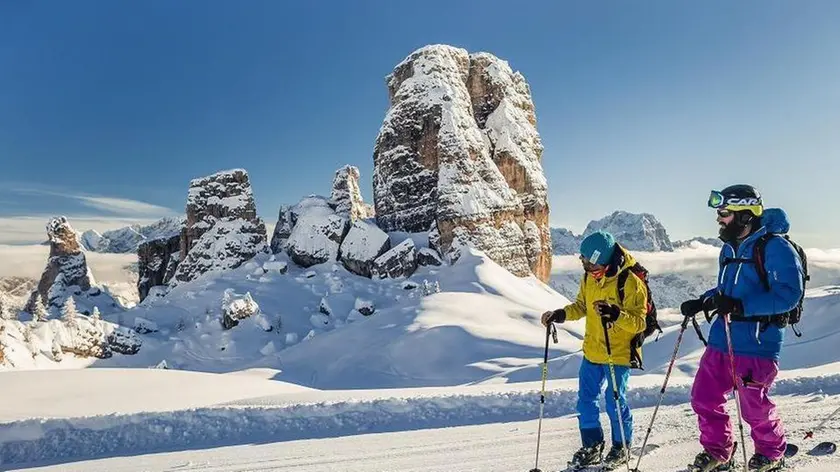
{"x": 129, "y": 238}
{"x": 635, "y": 231}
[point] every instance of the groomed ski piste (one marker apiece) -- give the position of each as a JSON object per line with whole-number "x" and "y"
{"x": 431, "y": 429}
{"x": 343, "y": 400}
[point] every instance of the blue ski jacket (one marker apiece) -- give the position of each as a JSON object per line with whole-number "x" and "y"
{"x": 740, "y": 280}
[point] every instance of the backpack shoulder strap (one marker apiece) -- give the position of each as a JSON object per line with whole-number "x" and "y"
{"x": 758, "y": 256}
{"x": 636, "y": 270}
{"x": 622, "y": 280}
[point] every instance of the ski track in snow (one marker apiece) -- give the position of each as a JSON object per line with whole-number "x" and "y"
{"x": 275, "y": 419}
{"x": 497, "y": 447}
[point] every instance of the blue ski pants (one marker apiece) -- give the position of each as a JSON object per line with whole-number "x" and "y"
{"x": 591, "y": 380}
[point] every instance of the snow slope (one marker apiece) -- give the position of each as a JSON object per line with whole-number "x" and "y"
{"x": 90, "y": 392}
{"x": 316, "y": 424}
{"x": 484, "y": 319}
{"x": 496, "y": 447}
{"x": 424, "y": 366}
{"x": 308, "y": 326}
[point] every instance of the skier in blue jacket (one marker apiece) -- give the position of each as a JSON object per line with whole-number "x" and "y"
{"x": 758, "y": 319}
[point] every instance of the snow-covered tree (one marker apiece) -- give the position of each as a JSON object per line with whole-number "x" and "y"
{"x": 57, "y": 352}
{"x": 427, "y": 287}
{"x": 2, "y": 346}
{"x": 39, "y": 312}
{"x": 96, "y": 316}
{"x": 68, "y": 311}
{"x": 5, "y": 309}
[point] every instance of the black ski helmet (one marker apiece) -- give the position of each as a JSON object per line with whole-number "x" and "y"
{"x": 742, "y": 199}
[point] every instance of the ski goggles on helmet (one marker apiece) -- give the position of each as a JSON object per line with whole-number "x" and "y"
{"x": 718, "y": 201}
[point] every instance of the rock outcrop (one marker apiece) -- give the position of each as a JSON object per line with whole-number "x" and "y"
{"x": 67, "y": 272}
{"x": 399, "y": 261}
{"x": 317, "y": 232}
{"x": 346, "y": 197}
{"x": 282, "y": 230}
{"x": 428, "y": 257}
{"x": 362, "y": 245}
{"x": 459, "y": 153}
{"x": 222, "y": 229}
{"x": 157, "y": 261}
{"x": 635, "y": 231}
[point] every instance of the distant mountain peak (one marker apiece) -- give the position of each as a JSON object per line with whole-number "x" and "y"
{"x": 634, "y": 231}
{"x": 129, "y": 238}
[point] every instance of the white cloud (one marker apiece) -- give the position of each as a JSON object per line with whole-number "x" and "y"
{"x": 29, "y": 261}
{"x": 32, "y": 229}
{"x": 823, "y": 264}
{"x": 123, "y": 206}
{"x": 105, "y": 213}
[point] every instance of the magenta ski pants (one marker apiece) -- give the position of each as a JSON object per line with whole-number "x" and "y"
{"x": 708, "y": 397}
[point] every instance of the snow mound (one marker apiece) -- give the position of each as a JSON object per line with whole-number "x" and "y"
{"x": 76, "y": 338}
{"x": 236, "y": 308}
{"x": 483, "y": 316}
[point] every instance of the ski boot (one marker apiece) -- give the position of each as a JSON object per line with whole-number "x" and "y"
{"x": 617, "y": 456}
{"x": 705, "y": 462}
{"x": 759, "y": 463}
{"x": 587, "y": 456}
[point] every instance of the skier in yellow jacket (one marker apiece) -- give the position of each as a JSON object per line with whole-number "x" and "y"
{"x": 599, "y": 302}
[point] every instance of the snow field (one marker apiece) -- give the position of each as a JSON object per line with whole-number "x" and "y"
{"x": 505, "y": 446}
{"x": 310, "y": 416}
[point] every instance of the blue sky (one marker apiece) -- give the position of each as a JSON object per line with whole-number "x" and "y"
{"x": 108, "y": 109}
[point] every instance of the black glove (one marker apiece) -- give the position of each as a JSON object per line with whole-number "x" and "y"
{"x": 690, "y": 308}
{"x": 725, "y": 304}
{"x": 609, "y": 313}
{"x": 709, "y": 304}
{"x": 556, "y": 316}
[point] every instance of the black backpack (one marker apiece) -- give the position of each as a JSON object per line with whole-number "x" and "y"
{"x": 795, "y": 315}
{"x": 651, "y": 321}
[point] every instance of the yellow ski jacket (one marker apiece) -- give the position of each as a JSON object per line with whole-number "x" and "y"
{"x": 630, "y": 322}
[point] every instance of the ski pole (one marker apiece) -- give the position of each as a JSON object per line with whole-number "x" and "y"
{"x": 550, "y": 331}
{"x": 683, "y": 327}
{"x": 616, "y": 397}
{"x": 810, "y": 434}
{"x": 735, "y": 385}
{"x": 698, "y": 331}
